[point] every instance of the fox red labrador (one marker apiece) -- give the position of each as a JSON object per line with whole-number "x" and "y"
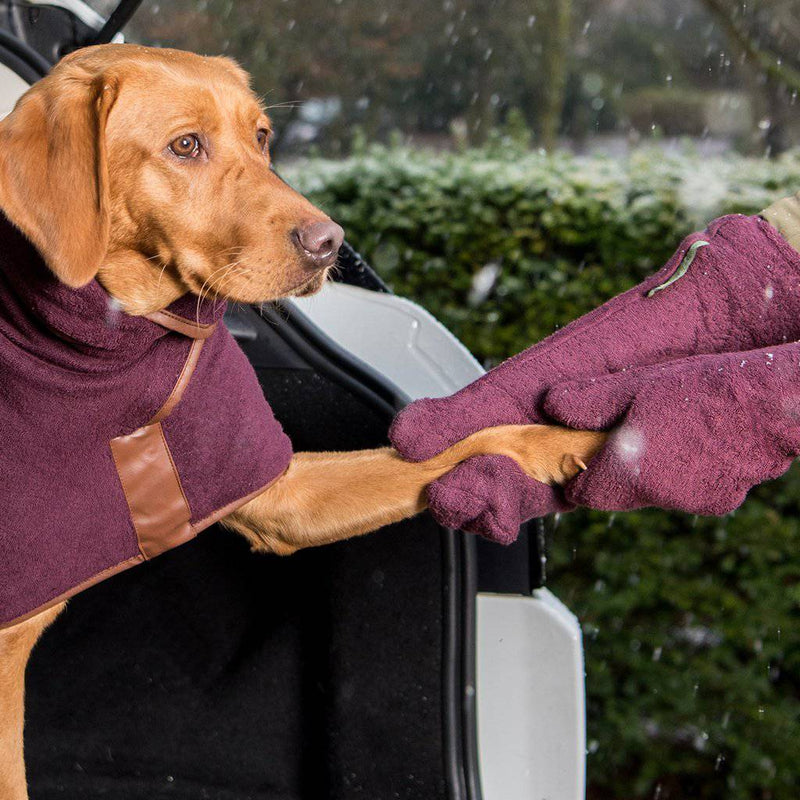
{"x": 143, "y": 170}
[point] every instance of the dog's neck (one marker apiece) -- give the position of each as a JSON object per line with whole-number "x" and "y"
{"x": 140, "y": 285}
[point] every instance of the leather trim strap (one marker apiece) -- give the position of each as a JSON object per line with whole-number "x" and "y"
{"x": 188, "y": 327}
{"x": 181, "y": 384}
{"x": 159, "y": 509}
{"x": 158, "y": 506}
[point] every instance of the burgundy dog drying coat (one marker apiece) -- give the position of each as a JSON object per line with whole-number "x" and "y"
{"x": 120, "y": 437}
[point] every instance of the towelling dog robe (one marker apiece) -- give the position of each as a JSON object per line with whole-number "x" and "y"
{"x": 120, "y": 437}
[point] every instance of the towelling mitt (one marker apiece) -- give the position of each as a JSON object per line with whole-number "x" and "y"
{"x": 734, "y": 286}
{"x": 121, "y": 437}
{"x": 694, "y": 434}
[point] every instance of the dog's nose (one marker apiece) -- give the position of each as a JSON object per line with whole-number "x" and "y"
{"x": 320, "y": 242}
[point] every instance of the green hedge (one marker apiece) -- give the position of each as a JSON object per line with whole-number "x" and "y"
{"x": 692, "y": 625}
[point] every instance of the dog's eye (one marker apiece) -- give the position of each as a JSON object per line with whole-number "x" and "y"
{"x": 262, "y": 137}
{"x": 186, "y": 146}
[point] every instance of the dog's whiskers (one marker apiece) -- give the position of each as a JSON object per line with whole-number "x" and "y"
{"x": 235, "y": 272}
{"x": 286, "y": 104}
{"x": 161, "y": 275}
{"x": 228, "y": 271}
{"x": 207, "y": 282}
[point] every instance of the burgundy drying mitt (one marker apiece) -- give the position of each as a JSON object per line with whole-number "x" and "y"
{"x": 732, "y": 287}
{"x": 692, "y": 435}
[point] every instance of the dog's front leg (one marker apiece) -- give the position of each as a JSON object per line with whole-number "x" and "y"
{"x": 15, "y": 648}
{"x": 327, "y": 497}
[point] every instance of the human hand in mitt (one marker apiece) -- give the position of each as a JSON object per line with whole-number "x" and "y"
{"x": 714, "y": 295}
{"x": 693, "y": 435}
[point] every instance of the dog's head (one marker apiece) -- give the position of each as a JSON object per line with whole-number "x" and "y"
{"x": 150, "y": 169}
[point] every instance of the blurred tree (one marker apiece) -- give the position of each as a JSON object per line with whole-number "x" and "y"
{"x": 555, "y": 68}
{"x": 415, "y": 68}
{"x": 365, "y": 56}
{"x": 766, "y": 36}
{"x": 572, "y": 67}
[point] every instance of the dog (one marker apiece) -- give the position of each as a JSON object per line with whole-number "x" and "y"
{"x": 142, "y": 170}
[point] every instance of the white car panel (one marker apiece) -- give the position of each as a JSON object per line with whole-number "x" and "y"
{"x": 531, "y": 707}
{"x": 396, "y": 337}
{"x": 12, "y": 87}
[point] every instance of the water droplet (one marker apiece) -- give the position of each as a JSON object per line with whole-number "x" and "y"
{"x": 113, "y": 312}
{"x": 657, "y": 653}
{"x": 482, "y": 283}
{"x": 629, "y": 443}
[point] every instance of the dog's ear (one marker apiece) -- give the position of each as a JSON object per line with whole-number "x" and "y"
{"x": 54, "y": 172}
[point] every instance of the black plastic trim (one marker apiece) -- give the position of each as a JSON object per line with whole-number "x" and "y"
{"x": 459, "y": 674}
{"x": 116, "y": 21}
{"x": 452, "y": 669}
{"x": 372, "y": 383}
{"x": 469, "y": 678}
{"x": 21, "y": 58}
{"x": 315, "y": 348}
{"x": 353, "y": 270}
{"x": 51, "y": 31}
{"x": 538, "y": 554}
